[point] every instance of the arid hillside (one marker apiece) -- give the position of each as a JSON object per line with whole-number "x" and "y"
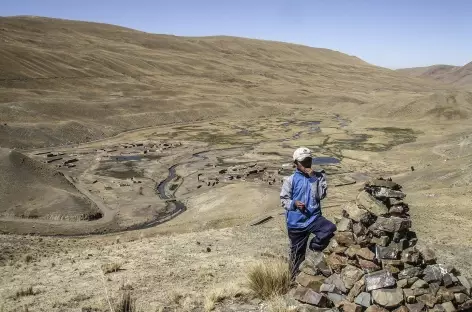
{"x": 459, "y": 76}
{"x": 67, "y": 81}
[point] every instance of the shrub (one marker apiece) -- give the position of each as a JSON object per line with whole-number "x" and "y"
{"x": 269, "y": 279}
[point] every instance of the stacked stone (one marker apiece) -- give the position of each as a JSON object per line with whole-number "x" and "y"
{"x": 373, "y": 264}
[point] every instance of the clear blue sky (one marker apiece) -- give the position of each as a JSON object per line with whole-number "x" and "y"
{"x": 389, "y": 33}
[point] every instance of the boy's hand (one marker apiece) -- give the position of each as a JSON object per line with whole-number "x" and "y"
{"x": 300, "y": 205}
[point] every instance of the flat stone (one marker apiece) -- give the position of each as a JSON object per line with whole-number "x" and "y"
{"x": 412, "y": 280}
{"x": 410, "y": 272}
{"x": 359, "y": 229}
{"x": 411, "y": 255}
{"x": 309, "y": 281}
{"x": 317, "y": 261}
{"x": 388, "y": 193}
{"x": 357, "y": 214}
{"x": 466, "y": 283}
{"x": 448, "y": 306}
{"x": 368, "y": 202}
{"x": 350, "y": 307}
{"x": 408, "y": 292}
{"x": 366, "y": 254}
{"x": 350, "y": 275}
{"x": 389, "y": 298}
{"x": 386, "y": 252}
{"x": 345, "y": 238}
{"x": 363, "y": 240}
{"x": 420, "y": 284}
{"x": 358, "y": 287}
{"x": 447, "y": 280}
{"x": 416, "y": 307}
{"x": 383, "y": 183}
{"x": 351, "y": 251}
{"x": 337, "y": 281}
{"x": 427, "y": 299}
{"x": 444, "y": 295}
{"x": 435, "y": 272}
{"x": 307, "y": 268}
{"x": 375, "y": 308}
{"x": 344, "y": 225}
{"x": 336, "y": 298}
{"x": 401, "y": 309}
{"x": 460, "y": 298}
{"x": 363, "y": 299}
{"x": 336, "y": 262}
{"x": 327, "y": 288}
{"x": 390, "y": 225}
{"x": 309, "y": 296}
{"x": 379, "y": 279}
{"x": 381, "y": 241}
{"x": 428, "y": 255}
{"x": 368, "y": 266}
{"x": 457, "y": 289}
{"x": 402, "y": 283}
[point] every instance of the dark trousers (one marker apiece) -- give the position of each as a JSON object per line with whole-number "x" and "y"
{"x": 323, "y": 230}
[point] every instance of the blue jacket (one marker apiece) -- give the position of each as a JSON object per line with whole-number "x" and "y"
{"x": 309, "y": 190}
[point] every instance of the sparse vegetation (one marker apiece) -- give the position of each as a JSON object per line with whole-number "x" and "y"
{"x": 28, "y": 258}
{"x": 25, "y": 292}
{"x": 280, "y": 304}
{"x": 220, "y": 294}
{"x": 126, "y": 304}
{"x": 111, "y": 267}
{"x": 269, "y": 279}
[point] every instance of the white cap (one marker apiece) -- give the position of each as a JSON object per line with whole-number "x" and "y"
{"x": 302, "y": 153}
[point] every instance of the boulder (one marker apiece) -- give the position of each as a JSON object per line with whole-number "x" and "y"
{"x": 401, "y": 245}
{"x": 336, "y": 298}
{"x": 411, "y": 255}
{"x": 368, "y": 266}
{"x": 413, "y": 293}
{"x": 390, "y": 225}
{"x": 428, "y": 256}
{"x": 410, "y": 272}
{"x": 379, "y": 279}
{"x": 327, "y": 288}
{"x": 447, "y": 280}
{"x": 466, "y": 306}
{"x": 419, "y": 284}
{"x": 358, "y": 287}
{"x": 352, "y": 251}
{"x": 397, "y": 210}
{"x": 444, "y": 295}
{"x": 350, "y": 275}
{"x": 357, "y": 214}
{"x": 309, "y": 281}
{"x": 336, "y": 262}
{"x": 345, "y": 238}
{"x": 460, "y": 298}
{"x": 359, "y": 229}
{"x": 366, "y": 254}
{"x": 433, "y": 288}
{"x": 383, "y": 183}
{"x": 368, "y": 202}
{"x": 386, "y": 252}
{"x": 389, "y": 298}
{"x": 427, "y": 299}
{"x": 466, "y": 283}
{"x": 401, "y": 309}
{"x": 435, "y": 272}
{"x": 337, "y": 281}
{"x": 437, "y": 308}
{"x": 416, "y": 307}
{"x": 384, "y": 192}
{"x": 344, "y": 225}
{"x": 402, "y": 283}
{"x": 350, "y": 307}
{"x": 309, "y": 296}
{"x": 363, "y": 299}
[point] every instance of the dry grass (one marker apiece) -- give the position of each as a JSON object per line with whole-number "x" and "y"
{"x": 269, "y": 279}
{"x": 218, "y": 295}
{"x": 111, "y": 267}
{"x": 25, "y": 292}
{"x": 126, "y": 304}
{"x": 280, "y": 304}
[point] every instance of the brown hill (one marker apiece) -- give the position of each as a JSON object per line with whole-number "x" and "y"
{"x": 67, "y": 81}
{"x": 30, "y": 189}
{"x": 459, "y": 76}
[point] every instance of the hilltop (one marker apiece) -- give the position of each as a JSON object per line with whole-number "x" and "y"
{"x": 67, "y": 81}
{"x": 459, "y": 76}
